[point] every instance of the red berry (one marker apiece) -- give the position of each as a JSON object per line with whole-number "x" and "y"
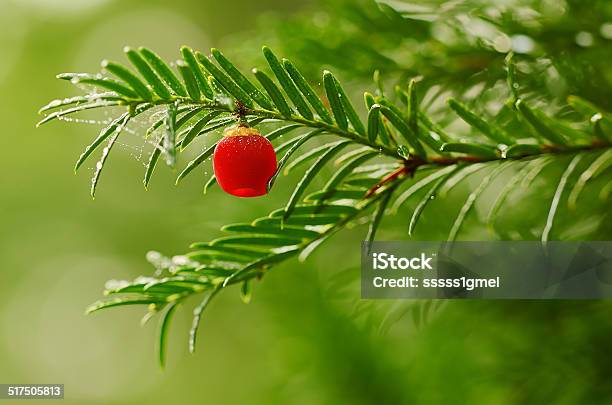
{"x": 243, "y": 162}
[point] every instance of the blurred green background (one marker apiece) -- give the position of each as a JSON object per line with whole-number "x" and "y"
{"x": 303, "y": 339}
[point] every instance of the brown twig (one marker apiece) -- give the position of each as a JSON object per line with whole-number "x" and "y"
{"x": 411, "y": 164}
{"x": 409, "y": 167}
{"x": 240, "y": 113}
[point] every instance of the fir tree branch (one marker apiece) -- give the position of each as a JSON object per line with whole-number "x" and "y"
{"x": 403, "y": 139}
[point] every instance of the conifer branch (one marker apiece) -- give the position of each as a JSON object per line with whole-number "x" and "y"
{"x": 397, "y": 142}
